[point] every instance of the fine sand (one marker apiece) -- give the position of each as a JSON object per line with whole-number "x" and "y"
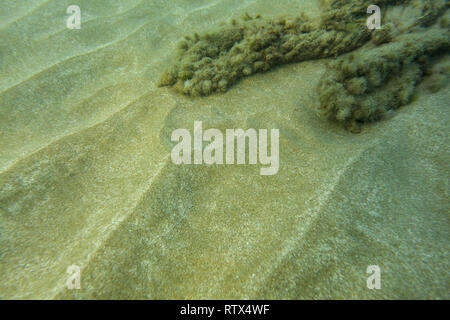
{"x": 86, "y": 176}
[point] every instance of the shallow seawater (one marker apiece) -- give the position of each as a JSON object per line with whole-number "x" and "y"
{"x": 87, "y": 176}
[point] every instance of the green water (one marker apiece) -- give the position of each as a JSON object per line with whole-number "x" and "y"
{"x": 86, "y": 176}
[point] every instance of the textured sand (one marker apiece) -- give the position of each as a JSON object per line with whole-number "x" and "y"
{"x": 86, "y": 176}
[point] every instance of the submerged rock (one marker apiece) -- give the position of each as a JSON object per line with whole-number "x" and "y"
{"x": 358, "y": 87}
{"x": 257, "y": 44}
{"x": 364, "y": 85}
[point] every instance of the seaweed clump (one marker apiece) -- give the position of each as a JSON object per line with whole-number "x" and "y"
{"x": 363, "y": 85}
{"x": 213, "y": 61}
{"x": 360, "y": 86}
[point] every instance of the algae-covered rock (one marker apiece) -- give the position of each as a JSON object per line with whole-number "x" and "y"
{"x": 364, "y": 85}
{"x": 256, "y": 44}
{"x": 359, "y": 87}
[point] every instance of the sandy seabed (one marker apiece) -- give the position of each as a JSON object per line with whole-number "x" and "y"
{"x": 86, "y": 176}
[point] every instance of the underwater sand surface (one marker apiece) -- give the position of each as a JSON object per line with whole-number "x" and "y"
{"x": 86, "y": 176}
